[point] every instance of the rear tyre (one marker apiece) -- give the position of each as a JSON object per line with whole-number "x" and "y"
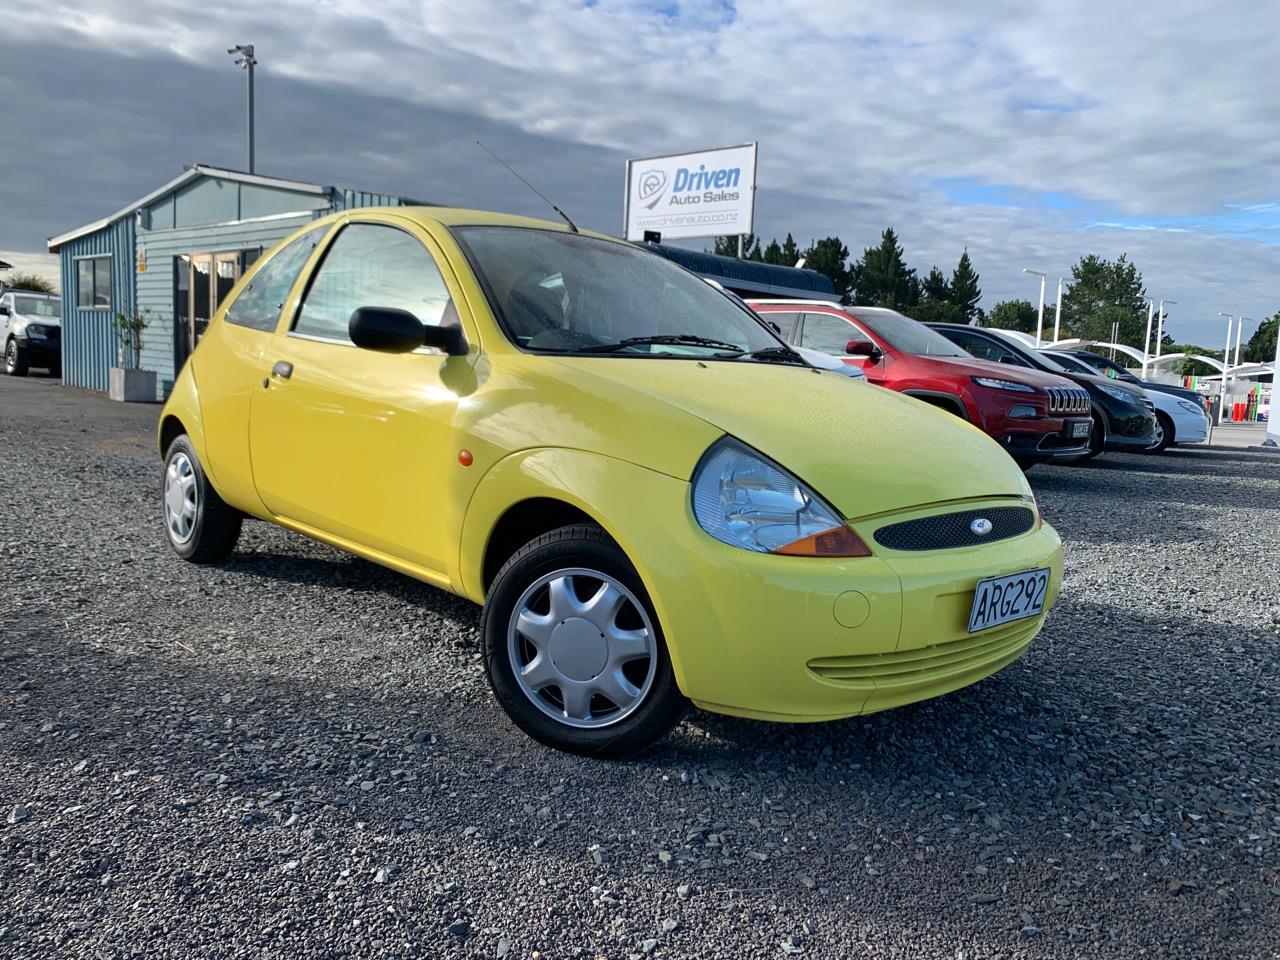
{"x": 15, "y": 359}
{"x": 573, "y": 648}
{"x": 200, "y": 525}
{"x": 1163, "y": 435}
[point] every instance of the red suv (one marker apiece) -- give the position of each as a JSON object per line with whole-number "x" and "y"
{"x": 1035, "y": 416}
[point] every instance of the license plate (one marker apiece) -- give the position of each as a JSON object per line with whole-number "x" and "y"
{"x": 1000, "y": 600}
{"x": 1081, "y": 429}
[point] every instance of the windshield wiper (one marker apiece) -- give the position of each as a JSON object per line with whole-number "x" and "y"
{"x": 673, "y": 339}
{"x": 776, "y": 355}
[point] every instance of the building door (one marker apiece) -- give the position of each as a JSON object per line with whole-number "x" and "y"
{"x": 204, "y": 280}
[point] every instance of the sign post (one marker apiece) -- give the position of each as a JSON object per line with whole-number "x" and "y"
{"x": 705, "y": 193}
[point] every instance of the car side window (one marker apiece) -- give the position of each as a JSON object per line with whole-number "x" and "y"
{"x": 785, "y": 321}
{"x": 372, "y": 265}
{"x": 980, "y": 347}
{"x": 828, "y": 333}
{"x": 259, "y": 304}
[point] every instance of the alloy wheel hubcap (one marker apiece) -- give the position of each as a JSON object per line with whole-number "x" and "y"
{"x": 1157, "y": 436}
{"x": 181, "y": 498}
{"x": 582, "y": 648}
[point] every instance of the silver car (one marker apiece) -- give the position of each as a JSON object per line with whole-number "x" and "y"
{"x": 31, "y": 331}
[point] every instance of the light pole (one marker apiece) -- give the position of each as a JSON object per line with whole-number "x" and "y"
{"x": 1226, "y": 359}
{"x": 1160, "y": 325}
{"x": 1040, "y": 315}
{"x": 1057, "y": 313}
{"x": 1146, "y": 344}
{"x": 243, "y": 53}
{"x": 1239, "y": 329}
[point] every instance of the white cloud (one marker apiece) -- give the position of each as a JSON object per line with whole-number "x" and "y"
{"x": 1149, "y": 113}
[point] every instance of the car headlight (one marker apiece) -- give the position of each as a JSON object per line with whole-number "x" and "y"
{"x": 747, "y": 501}
{"x": 995, "y": 384}
{"x": 37, "y": 331}
{"x": 1191, "y": 407}
{"x": 1117, "y": 393}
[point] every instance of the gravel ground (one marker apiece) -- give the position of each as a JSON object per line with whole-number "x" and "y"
{"x": 296, "y": 755}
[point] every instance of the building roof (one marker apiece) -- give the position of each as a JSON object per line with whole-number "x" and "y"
{"x": 750, "y": 276}
{"x": 193, "y": 172}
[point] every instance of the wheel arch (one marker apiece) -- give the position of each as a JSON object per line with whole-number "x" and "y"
{"x": 522, "y": 522}
{"x": 944, "y": 401}
{"x": 535, "y": 490}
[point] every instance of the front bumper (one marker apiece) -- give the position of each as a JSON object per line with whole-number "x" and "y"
{"x": 1129, "y": 428}
{"x": 1044, "y": 447}
{"x": 1190, "y": 428}
{"x": 807, "y": 639}
{"x": 41, "y": 352}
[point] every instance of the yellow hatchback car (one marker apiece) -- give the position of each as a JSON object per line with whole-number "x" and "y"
{"x": 656, "y": 500}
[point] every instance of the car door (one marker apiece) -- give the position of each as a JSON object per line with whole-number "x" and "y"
{"x": 832, "y": 334}
{"x": 355, "y": 443}
{"x": 228, "y": 371}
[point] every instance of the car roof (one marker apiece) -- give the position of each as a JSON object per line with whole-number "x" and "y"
{"x": 462, "y": 217}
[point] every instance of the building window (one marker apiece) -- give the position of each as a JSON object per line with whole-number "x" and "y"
{"x": 93, "y": 283}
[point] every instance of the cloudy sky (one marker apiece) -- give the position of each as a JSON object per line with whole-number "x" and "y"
{"x": 1031, "y": 137}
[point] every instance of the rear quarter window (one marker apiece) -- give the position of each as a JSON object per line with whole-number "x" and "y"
{"x": 259, "y": 304}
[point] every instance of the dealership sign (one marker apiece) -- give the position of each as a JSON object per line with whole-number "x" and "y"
{"x": 703, "y": 194}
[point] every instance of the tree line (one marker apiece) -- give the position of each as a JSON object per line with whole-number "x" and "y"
{"x": 879, "y": 278}
{"x": 1104, "y": 300}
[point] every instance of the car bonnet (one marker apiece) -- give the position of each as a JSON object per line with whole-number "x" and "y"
{"x": 865, "y": 449}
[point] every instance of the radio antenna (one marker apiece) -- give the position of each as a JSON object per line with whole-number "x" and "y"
{"x": 572, "y": 225}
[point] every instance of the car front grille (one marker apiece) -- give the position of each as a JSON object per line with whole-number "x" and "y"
{"x": 923, "y": 667}
{"x": 950, "y": 530}
{"x": 1067, "y": 400}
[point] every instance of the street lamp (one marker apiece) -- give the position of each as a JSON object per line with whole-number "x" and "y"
{"x": 1239, "y": 329}
{"x": 1057, "y": 312}
{"x": 1040, "y": 315}
{"x": 243, "y": 53}
{"x": 1226, "y": 359}
{"x": 1160, "y": 325}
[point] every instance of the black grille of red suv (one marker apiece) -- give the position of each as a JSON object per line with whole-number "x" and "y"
{"x": 1067, "y": 400}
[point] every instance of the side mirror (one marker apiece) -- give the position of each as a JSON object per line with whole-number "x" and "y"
{"x": 863, "y": 348}
{"x": 4, "y": 311}
{"x": 776, "y": 328}
{"x": 389, "y": 330}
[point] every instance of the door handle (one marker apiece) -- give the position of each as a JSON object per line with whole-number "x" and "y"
{"x": 282, "y": 369}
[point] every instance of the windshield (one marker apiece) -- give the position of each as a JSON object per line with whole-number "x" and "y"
{"x": 565, "y": 293}
{"x": 905, "y": 334}
{"x": 1109, "y": 368}
{"x": 1070, "y": 363}
{"x": 38, "y": 307}
{"x": 1036, "y": 359}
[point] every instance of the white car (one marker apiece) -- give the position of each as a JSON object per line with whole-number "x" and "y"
{"x": 31, "y": 331}
{"x": 1177, "y": 420}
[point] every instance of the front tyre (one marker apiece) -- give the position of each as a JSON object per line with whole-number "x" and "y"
{"x": 573, "y": 649}
{"x": 16, "y": 362}
{"x": 1163, "y": 434}
{"x": 201, "y": 527}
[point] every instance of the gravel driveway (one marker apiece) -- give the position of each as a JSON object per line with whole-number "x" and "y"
{"x": 296, "y": 754}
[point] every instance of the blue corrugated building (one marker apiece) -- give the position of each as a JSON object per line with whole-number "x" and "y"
{"x": 171, "y": 256}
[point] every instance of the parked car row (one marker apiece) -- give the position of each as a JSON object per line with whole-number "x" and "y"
{"x": 1040, "y": 405}
{"x": 657, "y": 498}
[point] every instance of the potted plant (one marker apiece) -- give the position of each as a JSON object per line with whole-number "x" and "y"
{"x": 129, "y": 382}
